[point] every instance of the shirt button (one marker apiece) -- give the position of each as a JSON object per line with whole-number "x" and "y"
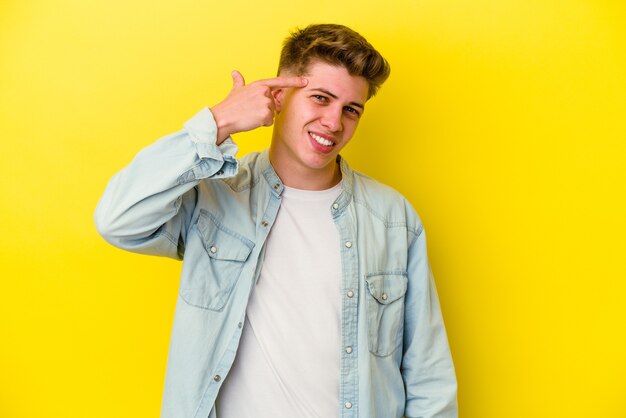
{"x": 213, "y": 249}
{"x": 335, "y": 206}
{"x": 264, "y": 223}
{"x": 348, "y": 405}
{"x": 277, "y": 186}
{"x": 350, "y": 293}
{"x": 384, "y": 296}
{"x": 240, "y": 325}
{"x": 217, "y": 377}
{"x": 349, "y": 350}
{"x": 348, "y": 244}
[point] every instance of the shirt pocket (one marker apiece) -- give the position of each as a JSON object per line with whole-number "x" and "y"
{"x": 385, "y": 311}
{"x": 216, "y": 265}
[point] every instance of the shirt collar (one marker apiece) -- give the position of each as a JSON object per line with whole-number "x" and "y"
{"x": 277, "y": 186}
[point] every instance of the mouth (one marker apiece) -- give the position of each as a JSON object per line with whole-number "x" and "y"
{"x": 322, "y": 140}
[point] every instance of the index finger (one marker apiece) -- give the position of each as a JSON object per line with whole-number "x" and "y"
{"x": 283, "y": 82}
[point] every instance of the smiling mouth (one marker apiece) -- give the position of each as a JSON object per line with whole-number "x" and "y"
{"x": 321, "y": 140}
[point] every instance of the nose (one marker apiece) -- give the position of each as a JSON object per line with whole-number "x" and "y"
{"x": 331, "y": 118}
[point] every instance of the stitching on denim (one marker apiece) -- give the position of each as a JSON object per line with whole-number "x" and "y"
{"x": 387, "y": 273}
{"x": 247, "y": 185}
{"x": 416, "y": 234}
{"x": 386, "y": 222}
{"x": 248, "y": 243}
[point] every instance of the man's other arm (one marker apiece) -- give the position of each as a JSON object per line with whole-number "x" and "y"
{"x": 427, "y": 368}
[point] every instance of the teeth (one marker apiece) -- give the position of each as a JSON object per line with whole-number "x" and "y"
{"x": 321, "y": 141}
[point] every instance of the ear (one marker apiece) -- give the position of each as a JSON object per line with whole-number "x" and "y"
{"x": 278, "y": 95}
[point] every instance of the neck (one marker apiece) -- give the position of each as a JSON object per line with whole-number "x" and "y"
{"x": 305, "y": 178}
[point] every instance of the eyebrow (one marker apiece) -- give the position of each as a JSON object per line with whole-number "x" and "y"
{"x": 334, "y": 96}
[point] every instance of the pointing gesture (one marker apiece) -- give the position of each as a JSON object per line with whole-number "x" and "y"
{"x": 250, "y": 106}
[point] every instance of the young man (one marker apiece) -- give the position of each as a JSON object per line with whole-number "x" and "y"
{"x": 306, "y": 289}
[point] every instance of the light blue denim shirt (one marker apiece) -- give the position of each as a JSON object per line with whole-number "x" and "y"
{"x": 186, "y": 197}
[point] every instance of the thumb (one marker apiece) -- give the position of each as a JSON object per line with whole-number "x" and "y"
{"x": 238, "y": 80}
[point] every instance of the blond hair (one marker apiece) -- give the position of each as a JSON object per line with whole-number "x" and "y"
{"x": 336, "y": 45}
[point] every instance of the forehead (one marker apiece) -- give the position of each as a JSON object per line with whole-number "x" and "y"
{"x": 337, "y": 80}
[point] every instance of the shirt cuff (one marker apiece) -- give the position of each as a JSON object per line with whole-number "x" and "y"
{"x": 216, "y": 161}
{"x": 202, "y": 130}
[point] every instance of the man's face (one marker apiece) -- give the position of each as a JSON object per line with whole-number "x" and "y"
{"x": 315, "y": 122}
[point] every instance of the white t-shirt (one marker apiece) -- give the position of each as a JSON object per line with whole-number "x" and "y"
{"x": 287, "y": 364}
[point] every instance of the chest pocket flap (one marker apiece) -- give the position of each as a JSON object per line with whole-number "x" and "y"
{"x": 212, "y": 268}
{"x": 387, "y": 288}
{"x": 385, "y": 311}
{"x": 221, "y": 243}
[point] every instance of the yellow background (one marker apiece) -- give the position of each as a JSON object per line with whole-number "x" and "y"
{"x": 503, "y": 122}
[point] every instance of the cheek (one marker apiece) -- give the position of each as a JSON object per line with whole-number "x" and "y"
{"x": 350, "y": 125}
{"x": 296, "y": 113}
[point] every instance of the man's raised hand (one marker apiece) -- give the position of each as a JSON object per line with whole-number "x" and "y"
{"x": 249, "y": 106}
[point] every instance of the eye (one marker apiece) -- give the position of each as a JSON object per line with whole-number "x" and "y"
{"x": 352, "y": 110}
{"x": 320, "y": 98}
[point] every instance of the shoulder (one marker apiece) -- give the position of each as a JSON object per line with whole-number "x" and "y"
{"x": 369, "y": 189}
{"x": 384, "y": 202}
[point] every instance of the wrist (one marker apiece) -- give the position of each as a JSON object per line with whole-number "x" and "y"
{"x": 222, "y": 124}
